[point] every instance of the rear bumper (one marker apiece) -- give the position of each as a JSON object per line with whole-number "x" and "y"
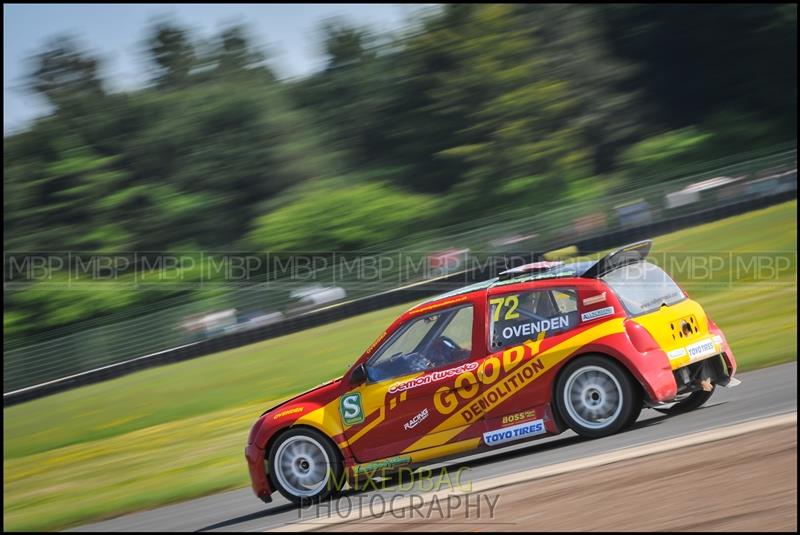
{"x": 662, "y": 384}
{"x": 730, "y": 360}
{"x": 258, "y": 472}
{"x": 718, "y": 369}
{"x": 658, "y": 380}
{"x": 725, "y": 350}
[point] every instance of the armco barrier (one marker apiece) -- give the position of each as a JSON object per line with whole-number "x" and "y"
{"x": 386, "y": 299}
{"x": 678, "y": 222}
{"x": 233, "y": 340}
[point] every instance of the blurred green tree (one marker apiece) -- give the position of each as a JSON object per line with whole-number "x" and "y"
{"x": 468, "y": 110}
{"x": 697, "y": 60}
{"x": 236, "y": 57}
{"x": 172, "y": 53}
{"x": 373, "y": 212}
{"x": 64, "y": 72}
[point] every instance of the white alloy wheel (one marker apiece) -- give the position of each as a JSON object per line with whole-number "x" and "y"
{"x": 301, "y": 466}
{"x": 593, "y": 397}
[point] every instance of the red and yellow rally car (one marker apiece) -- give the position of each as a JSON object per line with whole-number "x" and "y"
{"x": 539, "y": 349}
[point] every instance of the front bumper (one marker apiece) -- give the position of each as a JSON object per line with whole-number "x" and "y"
{"x": 258, "y": 472}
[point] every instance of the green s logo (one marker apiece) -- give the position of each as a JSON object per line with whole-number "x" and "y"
{"x": 350, "y": 407}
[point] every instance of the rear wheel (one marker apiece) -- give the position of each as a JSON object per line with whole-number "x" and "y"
{"x": 693, "y": 401}
{"x": 304, "y": 465}
{"x": 597, "y": 397}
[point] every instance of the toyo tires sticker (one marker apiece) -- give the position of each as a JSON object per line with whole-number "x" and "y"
{"x": 701, "y": 349}
{"x": 515, "y": 432}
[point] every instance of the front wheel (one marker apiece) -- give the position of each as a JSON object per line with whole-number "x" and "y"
{"x": 304, "y": 465}
{"x": 693, "y": 401}
{"x": 597, "y": 397}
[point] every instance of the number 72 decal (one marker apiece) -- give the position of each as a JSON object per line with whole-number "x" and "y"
{"x": 510, "y": 302}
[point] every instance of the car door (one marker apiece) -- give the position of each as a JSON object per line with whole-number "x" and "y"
{"x": 518, "y": 323}
{"x": 418, "y": 372}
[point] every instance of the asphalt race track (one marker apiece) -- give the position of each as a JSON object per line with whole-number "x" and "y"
{"x": 763, "y": 393}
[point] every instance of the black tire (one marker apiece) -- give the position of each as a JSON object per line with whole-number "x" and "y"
{"x": 609, "y": 389}
{"x": 323, "y": 455}
{"x": 695, "y": 400}
{"x": 637, "y": 410}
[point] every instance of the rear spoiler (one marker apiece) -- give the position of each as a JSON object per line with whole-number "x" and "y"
{"x": 630, "y": 254}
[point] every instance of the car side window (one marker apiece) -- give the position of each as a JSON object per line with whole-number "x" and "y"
{"x": 425, "y": 343}
{"x": 566, "y": 300}
{"x": 515, "y": 318}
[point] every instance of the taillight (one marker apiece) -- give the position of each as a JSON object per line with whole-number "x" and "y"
{"x": 640, "y": 338}
{"x": 715, "y": 331}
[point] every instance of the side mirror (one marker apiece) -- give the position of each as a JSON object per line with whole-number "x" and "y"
{"x": 359, "y": 374}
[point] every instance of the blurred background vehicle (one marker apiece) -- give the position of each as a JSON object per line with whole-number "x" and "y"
{"x": 770, "y": 184}
{"x": 448, "y": 261}
{"x": 200, "y": 326}
{"x": 513, "y": 242}
{"x": 718, "y": 187}
{"x": 634, "y": 213}
{"x": 254, "y": 320}
{"x": 309, "y": 298}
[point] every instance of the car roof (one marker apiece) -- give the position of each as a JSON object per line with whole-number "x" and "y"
{"x": 586, "y": 269}
{"x": 574, "y": 269}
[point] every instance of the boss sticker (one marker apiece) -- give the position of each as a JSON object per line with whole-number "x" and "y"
{"x": 350, "y": 407}
{"x": 518, "y": 417}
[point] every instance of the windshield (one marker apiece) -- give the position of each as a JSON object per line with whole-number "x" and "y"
{"x": 643, "y": 287}
{"x": 425, "y": 343}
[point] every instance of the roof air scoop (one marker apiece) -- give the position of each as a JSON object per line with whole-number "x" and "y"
{"x": 535, "y": 267}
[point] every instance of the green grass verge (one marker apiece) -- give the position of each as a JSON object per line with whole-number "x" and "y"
{"x": 178, "y": 431}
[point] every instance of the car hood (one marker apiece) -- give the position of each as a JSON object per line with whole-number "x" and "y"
{"x": 317, "y": 392}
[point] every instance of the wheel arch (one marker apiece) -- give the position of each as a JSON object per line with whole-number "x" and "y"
{"x": 593, "y": 353}
{"x": 299, "y": 427}
{"x": 276, "y": 436}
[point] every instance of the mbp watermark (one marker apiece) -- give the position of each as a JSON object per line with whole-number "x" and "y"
{"x": 363, "y": 271}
